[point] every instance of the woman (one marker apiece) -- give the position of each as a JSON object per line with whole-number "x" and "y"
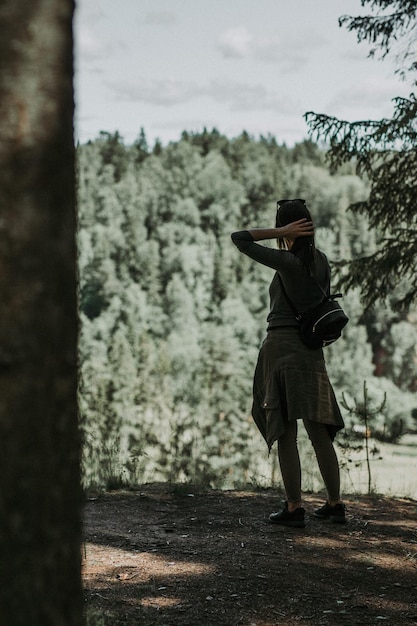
{"x": 291, "y": 381}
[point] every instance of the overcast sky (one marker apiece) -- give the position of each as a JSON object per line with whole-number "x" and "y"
{"x": 254, "y": 65}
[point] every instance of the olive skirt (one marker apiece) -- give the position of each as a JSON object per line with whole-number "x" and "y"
{"x": 291, "y": 383}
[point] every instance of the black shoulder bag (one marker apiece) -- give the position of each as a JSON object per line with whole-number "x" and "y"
{"x": 322, "y": 325}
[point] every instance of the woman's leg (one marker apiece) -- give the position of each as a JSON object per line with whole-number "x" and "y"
{"x": 326, "y": 458}
{"x": 289, "y": 462}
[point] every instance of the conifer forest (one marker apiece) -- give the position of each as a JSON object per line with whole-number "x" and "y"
{"x": 172, "y": 315}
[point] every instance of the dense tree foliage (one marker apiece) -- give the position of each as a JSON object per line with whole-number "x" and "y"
{"x": 172, "y": 316}
{"x": 383, "y": 151}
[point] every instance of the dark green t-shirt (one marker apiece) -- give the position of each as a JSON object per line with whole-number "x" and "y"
{"x": 302, "y": 290}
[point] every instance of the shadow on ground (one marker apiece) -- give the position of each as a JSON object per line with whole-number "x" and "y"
{"x": 165, "y": 556}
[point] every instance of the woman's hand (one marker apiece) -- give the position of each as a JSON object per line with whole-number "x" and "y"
{"x": 300, "y": 228}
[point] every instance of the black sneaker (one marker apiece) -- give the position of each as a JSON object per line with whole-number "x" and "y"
{"x": 335, "y": 514}
{"x": 294, "y": 519}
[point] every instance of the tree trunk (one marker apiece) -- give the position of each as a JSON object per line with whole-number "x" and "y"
{"x": 40, "y": 503}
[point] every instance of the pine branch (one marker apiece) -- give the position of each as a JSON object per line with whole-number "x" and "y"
{"x": 385, "y": 30}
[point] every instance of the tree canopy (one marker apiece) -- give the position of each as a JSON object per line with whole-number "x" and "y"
{"x": 384, "y": 152}
{"x": 172, "y": 315}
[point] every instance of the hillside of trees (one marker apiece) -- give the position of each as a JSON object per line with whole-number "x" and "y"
{"x": 172, "y": 316}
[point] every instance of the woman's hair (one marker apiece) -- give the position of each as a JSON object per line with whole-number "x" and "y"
{"x": 303, "y": 247}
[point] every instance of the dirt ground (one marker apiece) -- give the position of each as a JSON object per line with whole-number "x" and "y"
{"x": 170, "y": 556}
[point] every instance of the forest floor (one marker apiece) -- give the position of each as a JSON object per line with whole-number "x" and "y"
{"x": 166, "y": 556}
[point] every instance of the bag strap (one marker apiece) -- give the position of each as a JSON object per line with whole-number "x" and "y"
{"x": 298, "y": 315}
{"x": 328, "y": 296}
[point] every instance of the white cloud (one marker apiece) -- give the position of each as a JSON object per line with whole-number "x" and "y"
{"x": 161, "y": 92}
{"x": 88, "y": 43}
{"x": 290, "y": 53}
{"x": 236, "y": 42}
{"x": 237, "y": 96}
{"x": 90, "y": 48}
{"x": 89, "y": 14}
{"x": 248, "y": 97}
{"x": 370, "y": 97}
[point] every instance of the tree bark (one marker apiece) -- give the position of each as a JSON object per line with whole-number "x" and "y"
{"x": 40, "y": 499}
